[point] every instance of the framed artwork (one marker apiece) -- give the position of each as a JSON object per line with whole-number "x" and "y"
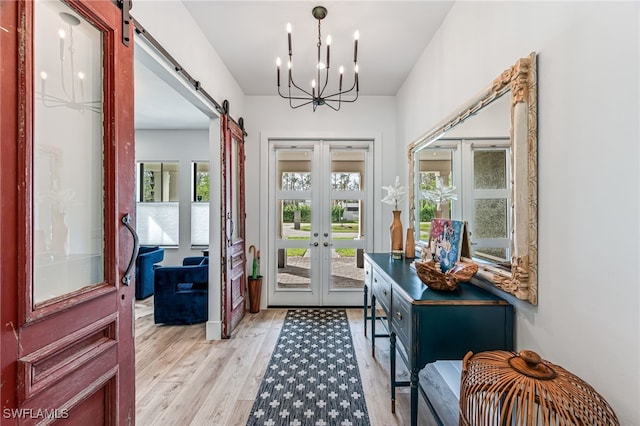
{"x": 446, "y": 241}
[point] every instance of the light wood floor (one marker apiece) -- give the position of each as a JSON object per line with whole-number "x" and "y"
{"x": 183, "y": 379}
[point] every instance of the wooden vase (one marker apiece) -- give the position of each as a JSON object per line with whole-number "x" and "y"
{"x": 395, "y": 230}
{"x": 410, "y": 244}
{"x": 438, "y": 211}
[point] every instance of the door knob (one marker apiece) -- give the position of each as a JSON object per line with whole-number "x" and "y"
{"x": 314, "y": 244}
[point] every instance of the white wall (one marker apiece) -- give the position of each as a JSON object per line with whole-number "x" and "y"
{"x": 587, "y": 318}
{"x": 184, "y": 146}
{"x": 270, "y": 116}
{"x": 173, "y": 27}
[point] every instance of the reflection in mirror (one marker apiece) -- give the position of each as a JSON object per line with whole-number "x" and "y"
{"x": 487, "y": 155}
{"x": 68, "y": 174}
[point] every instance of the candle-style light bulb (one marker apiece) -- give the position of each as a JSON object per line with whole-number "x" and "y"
{"x": 278, "y": 63}
{"x": 81, "y": 78}
{"x": 356, "y": 37}
{"x": 289, "y": 36}
{"x": 62, "y": 35}
{"x": 328, "y": 49}
{"x": 43, "y": 76}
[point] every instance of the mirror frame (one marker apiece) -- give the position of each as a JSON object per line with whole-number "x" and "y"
{"x": 521, "y": 80}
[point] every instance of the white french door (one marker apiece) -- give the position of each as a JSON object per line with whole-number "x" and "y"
{"x": 320, "y": 221}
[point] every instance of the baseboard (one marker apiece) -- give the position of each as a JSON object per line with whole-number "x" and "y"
{"x": 214, "y": 330}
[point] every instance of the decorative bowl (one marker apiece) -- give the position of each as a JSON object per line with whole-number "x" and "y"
{"x": 445, "y": 281}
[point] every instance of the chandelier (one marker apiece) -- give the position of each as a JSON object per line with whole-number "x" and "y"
{"x": 298, "y": 96}
{"x": 71, "y": 85}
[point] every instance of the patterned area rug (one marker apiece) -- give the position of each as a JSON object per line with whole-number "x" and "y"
{"x": 312, "y": 377}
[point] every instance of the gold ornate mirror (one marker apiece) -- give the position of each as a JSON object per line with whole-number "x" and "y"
{"x": 488, "y": 152}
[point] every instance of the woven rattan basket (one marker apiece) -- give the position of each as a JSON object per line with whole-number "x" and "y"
{"x": 448, "y": 281}
{"x": 507, "y": 388}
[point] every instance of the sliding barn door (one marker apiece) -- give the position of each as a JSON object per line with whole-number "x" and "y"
{"x": 66, "y": 185}
{"x": 233, "y": 229}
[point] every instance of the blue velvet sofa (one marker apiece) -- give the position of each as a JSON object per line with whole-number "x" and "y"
{"x": 146, "y": 262}
{"x": 181, "y": 292}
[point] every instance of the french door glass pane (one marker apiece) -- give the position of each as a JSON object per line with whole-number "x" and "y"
{"x": 294, "y": 250}
{"x": 294, "y": 169}
{"x": 347, "y": 169}
{"x": 433, "y": 164}
{"x": 345, "y": 220}
{"x": 347, "y": 245}
{"x": 489, "y": 169}
{"x": 345, "y": 272}
{"x": 490, "y": 218}
{"x": 68, "y": 219}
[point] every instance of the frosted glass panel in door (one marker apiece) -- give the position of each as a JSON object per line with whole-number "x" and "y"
{"x": 68, "y": 220}
{"x": 237, "y": 193}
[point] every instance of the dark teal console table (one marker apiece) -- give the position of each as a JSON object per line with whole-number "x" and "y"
{"x": 427, "y": 325}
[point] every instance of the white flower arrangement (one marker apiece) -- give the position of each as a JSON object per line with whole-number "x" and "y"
{"x": 395, "y": 193}
{"x": 441, "y": 193}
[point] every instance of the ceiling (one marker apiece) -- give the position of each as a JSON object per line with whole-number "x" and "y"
{"x": 249, "y": 35}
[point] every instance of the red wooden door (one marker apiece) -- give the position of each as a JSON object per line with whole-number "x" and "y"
{"x": 66, "y": 183}
{"x": 233, "y": 230}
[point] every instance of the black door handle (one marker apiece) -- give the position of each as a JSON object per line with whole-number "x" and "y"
{"x": 126, "y": 220}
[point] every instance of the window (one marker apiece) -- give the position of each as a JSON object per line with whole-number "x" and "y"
{"x": 490, "y": 196}
{"x": 200, "y": 204}
{"x": 434, "y": 163}
{"x": 481, "y": 167}
{"x": 158, "y": 204}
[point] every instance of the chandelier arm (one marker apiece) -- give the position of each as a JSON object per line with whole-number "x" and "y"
{"x": 298, "y": 106}
{"x": 52, "y": 98}
{"x": 62, "y": 80}
{"x": 289, "y": 96}
{"x": 326, "y": 81}
{"x": 332, "y": 107}
{"x": 340, "y": 100}
{"x": 344, "y": 91}
{"x": 297, "y": 98}
{"x": 299, "y": 88}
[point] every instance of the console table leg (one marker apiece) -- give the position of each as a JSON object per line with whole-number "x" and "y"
{"x": 373, "y": 325}
{"x": 366, "y": 309}
{"x": 414, "y": 397}
{"x": 392, "y": 359}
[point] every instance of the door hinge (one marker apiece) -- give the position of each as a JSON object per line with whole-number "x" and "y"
{"x": 125, "y": 5}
